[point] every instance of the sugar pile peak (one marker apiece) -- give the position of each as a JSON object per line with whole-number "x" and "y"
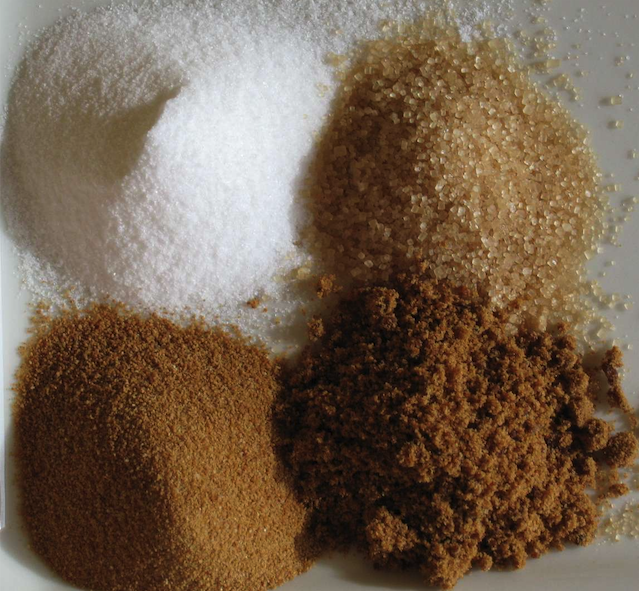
{"x": 158, "y": 161}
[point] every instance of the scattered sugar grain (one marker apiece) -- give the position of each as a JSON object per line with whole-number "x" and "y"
{"x": 613, "y": 100}
{"x": 622, "y": 523}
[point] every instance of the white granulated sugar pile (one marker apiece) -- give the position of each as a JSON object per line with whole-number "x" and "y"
{"x": 159, "y": 164}
{"x": 154, "y": 153}
{"x": 470, "y": 14}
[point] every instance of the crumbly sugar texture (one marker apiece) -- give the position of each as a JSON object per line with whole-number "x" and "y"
{"x": 446, "y": 152}
{"x": 419, "y": 430}
{"x": 154, "y": 151}
{"x": 145, "y": 458}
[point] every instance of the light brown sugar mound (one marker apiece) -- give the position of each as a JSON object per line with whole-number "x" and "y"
{"x": 446, "y": 152}
{"x": 145, "y": 458}
{"x": 423, "y": 433}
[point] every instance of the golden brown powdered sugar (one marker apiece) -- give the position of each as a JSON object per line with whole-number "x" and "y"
{"x": 145, "y": 457}
{"x": 420, "y": 430}
{"x": 446, "y": 152}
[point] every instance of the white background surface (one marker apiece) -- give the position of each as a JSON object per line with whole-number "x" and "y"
{"x": 599, "y": 28}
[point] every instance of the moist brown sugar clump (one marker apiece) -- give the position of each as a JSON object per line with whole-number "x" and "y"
{"x": 145, "y": 458}
{"x": 422, "y": 432}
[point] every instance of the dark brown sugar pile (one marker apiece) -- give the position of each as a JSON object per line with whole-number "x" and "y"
{"x": 145, "y": 459}
{"x": 446, "y": 152}
{"x": 423, "y": 433}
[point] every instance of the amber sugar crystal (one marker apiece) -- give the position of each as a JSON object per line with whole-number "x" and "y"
{"x": 446, "y": 152}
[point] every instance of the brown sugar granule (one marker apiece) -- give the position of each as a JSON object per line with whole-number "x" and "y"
{"x": 609, "y": 485}
{"x": 612, "y": 362}
{"x": 315, "y": 328}
{"x": 145, "y": 458}
{"x": 596, "y": 434}
{"x": 424, "y": 433}
{"x": 619, "y": 489}
{"x": 621, "y": 450}
{"x": 326, "y": 286}
{"x": 254, "y": 303}
{"x": 446, "y": 152}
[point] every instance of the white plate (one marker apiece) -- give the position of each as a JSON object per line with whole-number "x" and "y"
{"x": 599, "y": 28}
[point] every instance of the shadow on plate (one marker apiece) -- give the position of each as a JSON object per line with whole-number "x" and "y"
{"x": 355, "y": 568}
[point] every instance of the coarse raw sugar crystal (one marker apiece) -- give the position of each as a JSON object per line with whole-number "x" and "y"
{"x": 446, "y": 152}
